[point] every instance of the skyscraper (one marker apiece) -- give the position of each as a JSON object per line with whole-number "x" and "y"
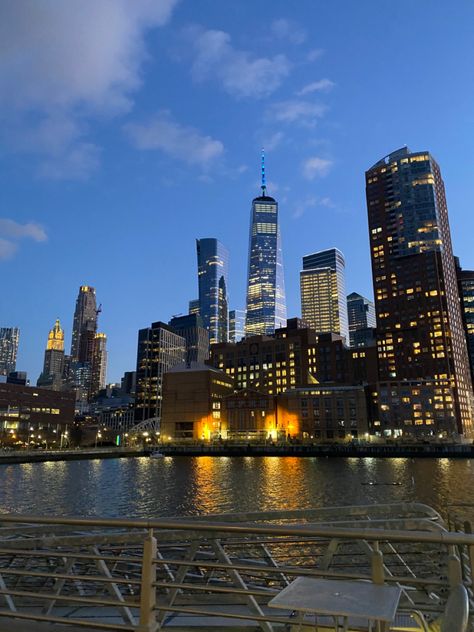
{"x": 9, "y": 340}
{"x": 266, "y": 301}
{"x": 159, "y": 349}
{"x": 193, "y": 306}
{"x": 84, "y": 325}
{"x": 419, "y": 325}
{"x": 191, "y": 328}
{"x": 323, "y": 292}
{"x": 98, "y": 364}
{"x": 213, "y": 262}
{"x": 53, "y": 366}
{"x": 361, "y": 315}
{"x": 466, "y": 293}
{"x": 236, "y": 325}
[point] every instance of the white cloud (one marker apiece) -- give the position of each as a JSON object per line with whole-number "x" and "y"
{"x": 184, "y": 143}
{"x": 323, "y": 85}
{"x": 315, "y": 54}
{"x": 58, "y": 54}
{"x": 63, "y": 61}
{"x": 297, "y": 111}
{"x": 7, "y": 248}
{"x": 289, "y": 30}
{"x": 273, "y": 141}
{"x": 316, "y": 167}
{"x": 12, "y": 232}
{"x": 309, "y": 203}
{"x": 241, "y": 74}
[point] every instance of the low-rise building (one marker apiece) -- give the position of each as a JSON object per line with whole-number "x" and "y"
{"x": 34, "y": 415}
{"x": 324, "y": 412}
{"x": 193, "y": 402}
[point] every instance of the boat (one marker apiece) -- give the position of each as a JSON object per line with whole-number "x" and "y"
{"x": 156, "y": 454}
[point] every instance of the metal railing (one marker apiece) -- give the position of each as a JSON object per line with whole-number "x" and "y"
{"x": 145, "y": 575}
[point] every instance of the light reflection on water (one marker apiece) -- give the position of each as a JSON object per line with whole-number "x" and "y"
{"x": 143, "y": 487}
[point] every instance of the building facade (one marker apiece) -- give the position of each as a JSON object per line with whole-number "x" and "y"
{"x": 323, "y": 292}
{"x": 53, "y": 365}
{"x": 98, "y": 364}
{"x": 466, "y": 293}
{"x": 192, "y": 329}
{"x": 30, "y": 415}
{"x": 193, "y": 398}
{"x": 325, "y": 412}
{"x": 414, "y": 408}
{"x": 361, "y": 317}
{"x": 419, "y": 324}
{"x": 213, "y": 265}
{"x": 236, "y": 325}
{"x": 266, "y": 299}
{"x": 9, "y": 340}
{"x": 160, "y": 348}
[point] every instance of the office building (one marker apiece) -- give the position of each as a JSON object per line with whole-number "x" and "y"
{"x": 361, "y": 317}
{"x": 191, "y": 328}
{"x": 53, "y": 366}
{"x": 9, "y": 340}
{"x": 323, "y": 292}
{"x": 266, "y": 301}
{"x": 420, "y": 332}
{"x": 194, "y": 306}
{"x": 236, "y": 325}
{"x": 160, "y": 348}
{"x": 213, "y": 263}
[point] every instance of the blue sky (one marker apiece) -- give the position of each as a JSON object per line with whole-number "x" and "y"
{"x": 131, "y": 127}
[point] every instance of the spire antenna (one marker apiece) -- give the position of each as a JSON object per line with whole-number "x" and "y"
{"x": 264, "y": 182}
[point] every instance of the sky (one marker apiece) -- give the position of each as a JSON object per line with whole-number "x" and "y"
{"x": 129, "y": 128}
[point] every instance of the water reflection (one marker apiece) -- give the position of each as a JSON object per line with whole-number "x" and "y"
{"x": 144, "y": 487}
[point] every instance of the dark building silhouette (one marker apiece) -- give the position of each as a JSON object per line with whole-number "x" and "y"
{"x": 53, "y": 366}
{"x": 361, "y": 316}
{"x": 191, "y": 328}
{"x": 466, "y": 293}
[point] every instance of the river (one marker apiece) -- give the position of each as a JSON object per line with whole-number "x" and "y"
{"x": 148, "y": 488}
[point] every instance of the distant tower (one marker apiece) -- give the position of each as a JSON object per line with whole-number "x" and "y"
{"x": 98, "y": 364}
{"x": 266, "y": 302}
{"x": 213, "y": 262}
{"x": 323, "y": 292}
{"x": 9, "y": 339}
{"x": 84, "y": 324}
{"x": 159, "y": 349}
{"x": 361, "y": 314}
{"x": 236, "y": 325}
{"x": 53, "y": 366}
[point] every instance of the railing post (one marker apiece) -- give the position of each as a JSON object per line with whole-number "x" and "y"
{"x": 377, "y": 565}
{"x": 454, "y": 568}
{"x": 148, "y": 621}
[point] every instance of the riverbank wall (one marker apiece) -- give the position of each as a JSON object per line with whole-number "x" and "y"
{"x": 438, "y": 450}
{"x": 464, "y": 451}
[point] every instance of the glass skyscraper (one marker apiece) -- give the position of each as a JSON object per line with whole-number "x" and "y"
{"x": 213, "y": 263}
{"x": 266, "y": 301}
{"x": 236, "y": 325}
{"x": 361, "y": 314}
{"x": 9, "y": 339}
{"x": 323, "y": 292}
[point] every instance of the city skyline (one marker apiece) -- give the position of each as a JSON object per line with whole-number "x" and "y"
{"x": 316, "y": 110}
